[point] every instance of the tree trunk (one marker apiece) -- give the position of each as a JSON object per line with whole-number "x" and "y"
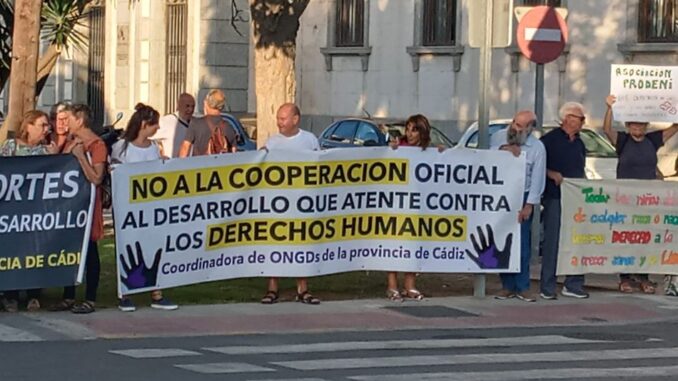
{"x": 25, "y": 50}
{"x": 276, "y": 23}
{"x": 275, "y": 85}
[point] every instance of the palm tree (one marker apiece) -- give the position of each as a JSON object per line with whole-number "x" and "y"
{"x": 60, "y": 27}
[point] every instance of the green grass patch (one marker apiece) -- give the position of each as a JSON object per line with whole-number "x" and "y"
{"x": 352, "y": 285}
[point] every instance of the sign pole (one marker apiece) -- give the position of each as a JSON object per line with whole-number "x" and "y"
{"x": 483, "y": 111}
{"x": 539, "y": 112}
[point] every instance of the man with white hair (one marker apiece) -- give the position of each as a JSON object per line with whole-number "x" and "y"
{"x": 565, "y": 157}
{"x": 518, "y": 138}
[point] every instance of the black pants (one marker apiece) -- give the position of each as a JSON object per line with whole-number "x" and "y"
{"x": 92, "y": 270}
{"x": 30, "y": 294}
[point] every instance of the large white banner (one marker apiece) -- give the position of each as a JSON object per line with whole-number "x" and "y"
{"x": 280, "y": 213}
{"x": 618, "y": 226}
{"x": 645, "y": 93}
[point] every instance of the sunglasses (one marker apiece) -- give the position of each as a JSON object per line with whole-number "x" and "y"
{"x": 581, "y": 118}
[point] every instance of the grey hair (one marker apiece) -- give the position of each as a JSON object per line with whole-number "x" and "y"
{"x": 57, "y": 108}
{"x": 568, "y": 107}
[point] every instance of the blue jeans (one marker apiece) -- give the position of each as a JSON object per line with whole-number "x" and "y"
{"x": 549, "y": 260}
{"x": 519, "y": 282}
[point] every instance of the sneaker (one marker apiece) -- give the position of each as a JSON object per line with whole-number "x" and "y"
{"x": 504, "y": 294}
{"x": 126, "y": 305}
{"x": 525, "y": 297}
{"x": 579, "y": 294}
{"x": 33, "y": 305}
{"x": 163, "y": 304}
{"x": 547, "y": 296}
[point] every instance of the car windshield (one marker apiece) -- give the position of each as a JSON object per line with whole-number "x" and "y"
{"x": 596, "y": 145}
{"x": 473, "y": 140}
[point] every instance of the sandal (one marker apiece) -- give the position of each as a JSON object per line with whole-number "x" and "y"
{"x": 270, "y": 297}
{"x": 64, "y": 305}
{"x": 85, "y": 307}
{"x": 648, "y": 287}
{"x": 306, "y": 298}
{"x": 394, "y": 295}
{"x": 413, "y": 294}
{"x": 626, "y": 286}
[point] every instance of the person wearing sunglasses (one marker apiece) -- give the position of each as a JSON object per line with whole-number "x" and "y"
{"x": 637, "y": 151}
{"x": 565, "y": 157}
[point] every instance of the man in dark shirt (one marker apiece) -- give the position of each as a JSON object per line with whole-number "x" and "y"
{"x": 199, "y": 131}
{"x": 565, "y": 157}
{"x": 637, "y": 151}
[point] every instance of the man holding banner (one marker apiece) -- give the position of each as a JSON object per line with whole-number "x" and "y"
{"x": 637, "y": 150}
{"x": 518, "y": 138}
{"x": 290, "y": 137}
{"x": 565, "y": 157}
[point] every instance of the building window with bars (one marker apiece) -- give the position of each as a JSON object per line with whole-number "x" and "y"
{"x": 350, "y": 23}
{"x": 534, "y": 3}
{"x": 175, "y": 46}
{"x": 439, "y": 22}
{"x": 658, "y": 21}
{"x": 96, "y": 63}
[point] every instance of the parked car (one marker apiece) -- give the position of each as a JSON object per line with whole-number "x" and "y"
{"x": 355, "y": 132}
{"x": 244, "y": 141}
{"x": 601, "y": 157}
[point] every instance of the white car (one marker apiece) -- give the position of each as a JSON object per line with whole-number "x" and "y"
{"x": 601, "y": 157}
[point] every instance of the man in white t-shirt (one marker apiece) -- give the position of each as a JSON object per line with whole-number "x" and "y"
{"x": 173, "y": 127}
{"x": 290, "y": 137}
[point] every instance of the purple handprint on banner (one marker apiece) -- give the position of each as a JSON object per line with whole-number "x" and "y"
{"x": 488, "y": 255}
{"x": 134, "y": 273}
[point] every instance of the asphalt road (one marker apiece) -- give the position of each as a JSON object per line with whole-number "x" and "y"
{"x": 592, "y": 352}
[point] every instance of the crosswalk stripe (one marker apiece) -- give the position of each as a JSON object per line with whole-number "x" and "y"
{"x": 400, "y": 344}
{"x": 482, "y": 358}
{"x": 153, "y": 353}
{"x": 223, "y": 367}
{"x": 532, "y": 374}
{"x": 9, "y": 334}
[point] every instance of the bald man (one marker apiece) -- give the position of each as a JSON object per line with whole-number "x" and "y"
{"x": 290, "y": 138}
{"x": 173, "y": 127}
{"x": 517, "y": 138}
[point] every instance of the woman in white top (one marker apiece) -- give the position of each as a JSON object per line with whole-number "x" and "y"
{"x": 135, "y": 146}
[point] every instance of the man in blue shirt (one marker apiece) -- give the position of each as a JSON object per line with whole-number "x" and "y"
{"x": 518, "y": 138}
{"x": 565, "y": 157}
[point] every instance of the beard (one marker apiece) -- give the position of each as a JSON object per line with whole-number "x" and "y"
{"x": 515, "y": 137}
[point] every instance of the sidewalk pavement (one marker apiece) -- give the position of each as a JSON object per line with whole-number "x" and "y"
{"x": 603, "y": 308}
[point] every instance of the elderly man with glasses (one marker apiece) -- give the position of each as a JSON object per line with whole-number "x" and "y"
{"x": 565, "y": 157}
{"x": 518, "y": 138}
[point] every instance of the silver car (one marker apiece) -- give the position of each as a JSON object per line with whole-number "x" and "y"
{"x": 601, "y": 157}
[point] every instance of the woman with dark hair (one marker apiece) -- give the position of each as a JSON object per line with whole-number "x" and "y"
{"x": 136, "y": 146}
{"x": 29, "y": 142}
{"x": 417, "y": 134}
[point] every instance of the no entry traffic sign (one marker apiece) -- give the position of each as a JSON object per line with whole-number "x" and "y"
{"x": 542, "y": 34}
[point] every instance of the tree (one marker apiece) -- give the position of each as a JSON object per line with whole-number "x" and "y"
{"x": 25, "y": 48}
{"x": 58, "y": 26}
{"x": 276, "y": 23}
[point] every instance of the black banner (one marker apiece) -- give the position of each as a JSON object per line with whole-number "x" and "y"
{"x": 44, "y": 221}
